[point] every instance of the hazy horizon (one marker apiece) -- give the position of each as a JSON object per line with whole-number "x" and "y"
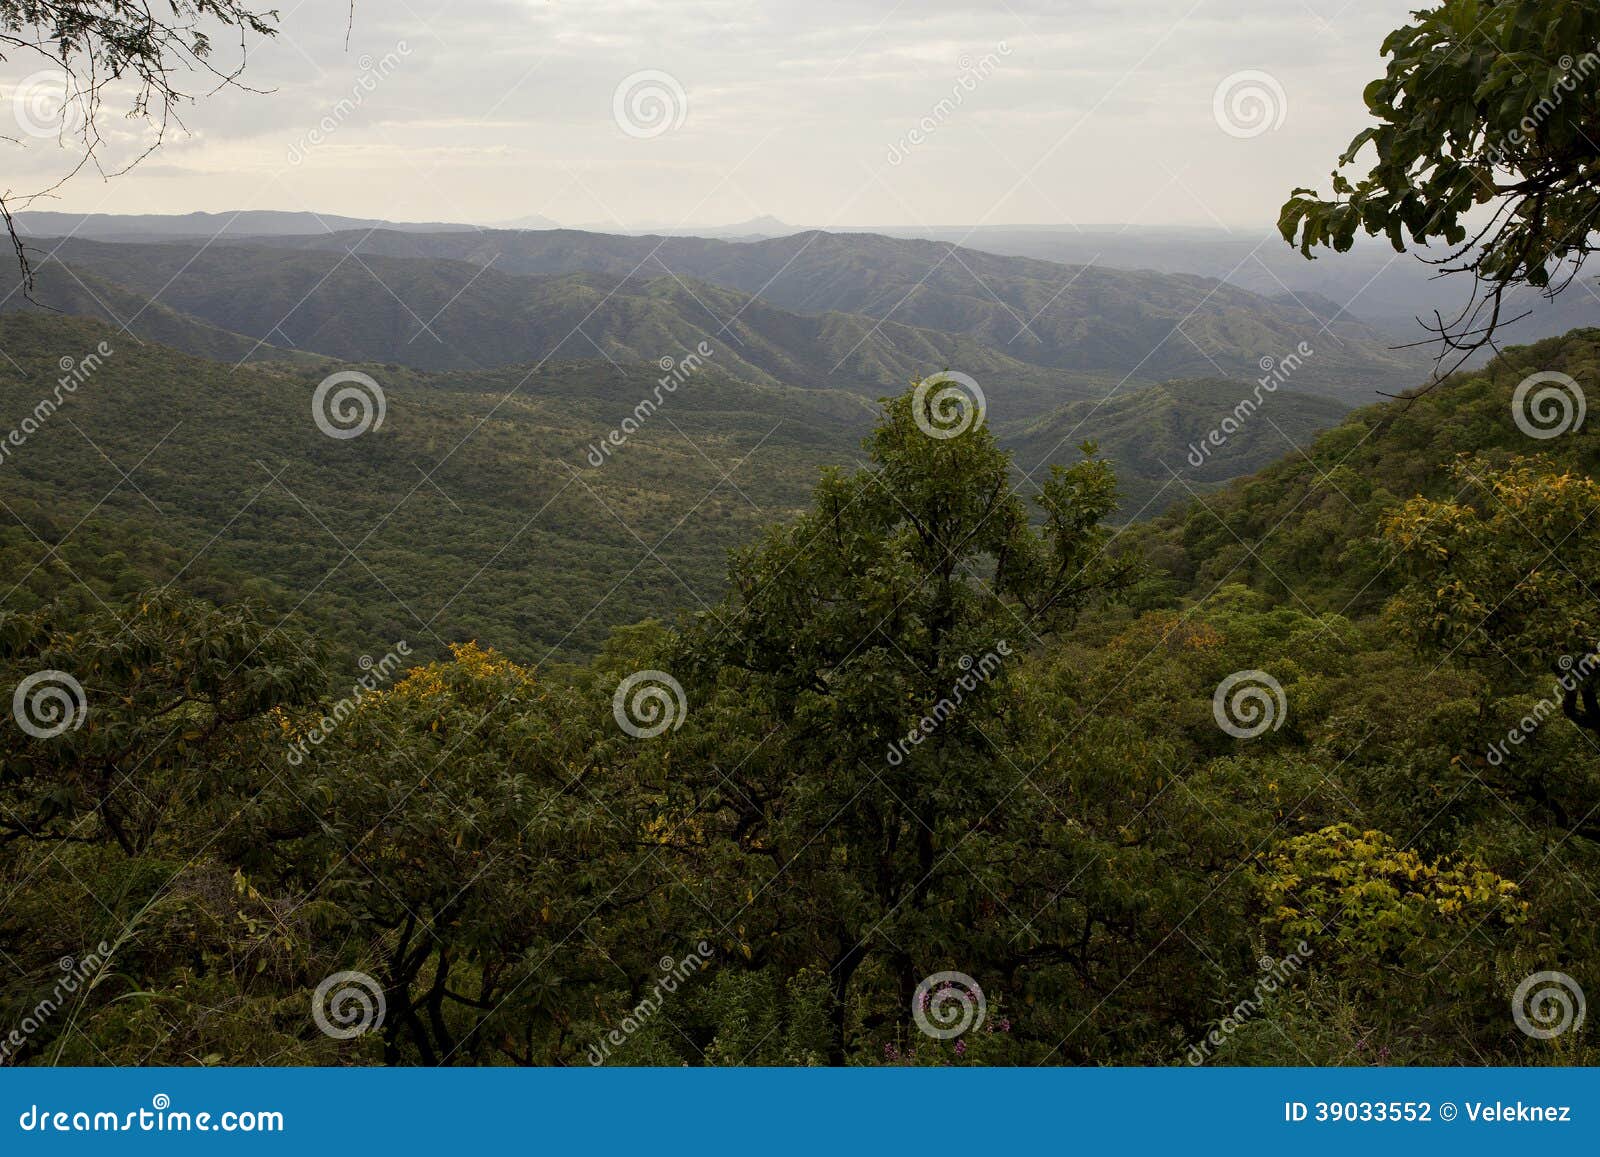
{"x": 636, "y": 116}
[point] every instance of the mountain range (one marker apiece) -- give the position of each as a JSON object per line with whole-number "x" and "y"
{"x": 856, "y": 312}
{"x": 507, "y": 358}
{"x": 1083, "y": 319}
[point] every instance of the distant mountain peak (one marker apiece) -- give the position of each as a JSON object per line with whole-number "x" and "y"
{"x": 531, "y": 221}
{"x": 766, "y": 223}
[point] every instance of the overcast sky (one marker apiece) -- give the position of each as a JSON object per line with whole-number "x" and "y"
{"x": 818, "y": 112}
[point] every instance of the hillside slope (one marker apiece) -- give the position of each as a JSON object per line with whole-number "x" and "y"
{"x": 1083, "y": 318}
{"x": 81, "y": 293}
{"x": 513, "y": 536}
{"x": 447, "y": 315}
{"x": 1157, "y": 438}
{"x": 1303, "y": 528}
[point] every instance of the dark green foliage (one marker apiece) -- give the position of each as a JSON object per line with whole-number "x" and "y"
{"x": 514, "y": 537}
{"x": 163, "y": 690}
{"x": 1484, "y": 142}
{"x": 918, "y": 735}
{"x": 1323, "y": 507}
{"x": 1157, "y": 438}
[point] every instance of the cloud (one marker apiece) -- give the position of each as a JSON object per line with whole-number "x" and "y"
{"x": 791, "y": 110}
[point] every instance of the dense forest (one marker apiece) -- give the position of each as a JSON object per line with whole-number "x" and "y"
{"x": 1115, "y": 850}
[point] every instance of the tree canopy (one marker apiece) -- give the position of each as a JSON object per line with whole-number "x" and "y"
{"x": 1487, "y": 141}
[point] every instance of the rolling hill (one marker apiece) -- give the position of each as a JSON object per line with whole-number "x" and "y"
{"x": 242, "y": 223}
{"x": 1301, "y": 529}
{"x": 448, "y": 315}
{"x": 485, "y": 505}
{"x": 474, "y": 510}
{"x": 1087, "y": 319}
{"x": 1157, "y": 438}
{"x": 80, "y": 293}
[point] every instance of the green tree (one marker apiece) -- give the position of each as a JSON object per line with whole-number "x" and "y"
{"x": 1486, "y": 140}
{"x": 130, "y": 717}
{"x": 459, "y": 840}
{"x": 854, "y": 681}
{"x": 1502, "y": 576}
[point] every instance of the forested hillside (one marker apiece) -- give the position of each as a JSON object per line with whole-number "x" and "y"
{"x": 1076, "y": 317}
{"x": 437, "y": 645}
{"x": 513, "y": 537}
{"x": 1088, "y": 818}
{"x": 849, "y": 311}
{"x": 1303, "y": 528}
{"x": 1176, "y": 441}
{"x": 438, "y": 315}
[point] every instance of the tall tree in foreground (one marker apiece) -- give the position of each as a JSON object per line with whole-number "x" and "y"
{"x": 1488, "y": 140}
{"x": 853, "y": 688}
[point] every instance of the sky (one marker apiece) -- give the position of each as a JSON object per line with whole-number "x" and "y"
{"x": 634, "y": 114}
